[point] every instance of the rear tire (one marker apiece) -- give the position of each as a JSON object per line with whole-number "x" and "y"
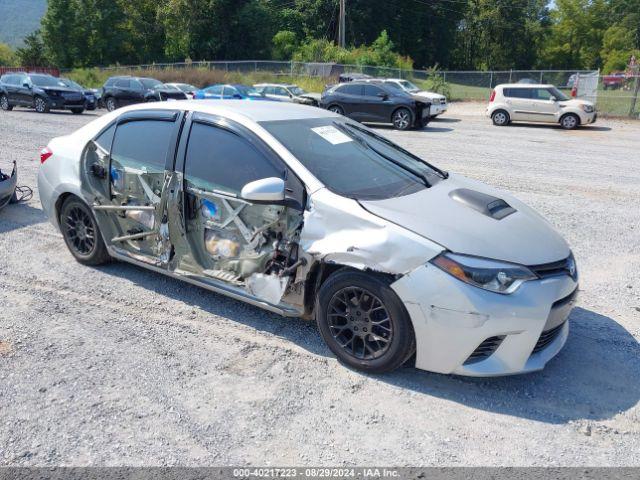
{"x": 402, "y": 119}
{"x": 500, "y": 118}
{"x": 364, "y": 322}
{"x": 111, "y": 104}
{"x": 40, "y": 105}
{"x": 81, "y": 233}
{"x": 570, "y": 121}
{"x": 4, "y": 103}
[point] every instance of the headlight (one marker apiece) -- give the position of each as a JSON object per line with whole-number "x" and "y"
{"x": 587, "y": 108}
{"x": 492, "y": 275}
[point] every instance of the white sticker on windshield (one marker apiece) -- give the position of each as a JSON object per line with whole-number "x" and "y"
{"x": 332, "y": 135}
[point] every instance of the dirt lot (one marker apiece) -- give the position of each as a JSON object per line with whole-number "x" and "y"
{"x": 120, "y": 366}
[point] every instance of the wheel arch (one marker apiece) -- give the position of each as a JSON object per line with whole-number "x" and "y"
{"x": 404, "y": 107}
{"x": 573, "y": 112}
{"x": 321, "y": 271}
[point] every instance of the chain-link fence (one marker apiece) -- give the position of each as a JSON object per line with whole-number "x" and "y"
{"x": 614, "y": 94}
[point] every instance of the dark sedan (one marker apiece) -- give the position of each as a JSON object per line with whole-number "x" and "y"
{"x": 120, "y": 91}
{"x": 376, "y": 103}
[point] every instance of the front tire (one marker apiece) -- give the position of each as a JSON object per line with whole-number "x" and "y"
{"x": 40, "y": 105}
{"x": 77, "y": 111}
{"x": 336, "y": 109}
{"x": 4, "y": 103}
{"x": 402, "y": 119}
{"x": 500, "y": 118}
{"x": 364, "y": 322}
{"x": 570, "y": 121}
{"x": 81, "y": 233}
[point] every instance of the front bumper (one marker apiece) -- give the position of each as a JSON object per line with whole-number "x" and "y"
{"x": 59, "y": 103}
{"x": 438, "y": 109}
{"x": 452, "y": 320}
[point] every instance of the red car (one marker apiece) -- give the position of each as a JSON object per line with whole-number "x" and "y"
{"x": 614, "y": 80}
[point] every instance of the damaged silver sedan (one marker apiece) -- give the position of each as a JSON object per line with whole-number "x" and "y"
{"x": 309, "y": 214}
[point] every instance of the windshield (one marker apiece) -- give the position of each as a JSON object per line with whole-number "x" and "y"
{"x": 558, "y": 94}
{"x": 247, "y": 91}
{"x": 46, "y": 81}
{"x": 171, "y": 87}
{"x": 297, "y": 91}
{"x": 408, "y": 86}
{"x": 186, "y": 88}
{"x": 70, "y": 83}
{"x": 150, "y": 83}
{"x": 351, "y": 160}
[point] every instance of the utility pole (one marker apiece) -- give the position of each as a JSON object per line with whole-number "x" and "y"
{"x": 341, "y": 24}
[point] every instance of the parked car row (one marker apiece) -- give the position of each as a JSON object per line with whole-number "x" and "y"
{"x": 43, "y": 93}
{"x": 360, "y": 97}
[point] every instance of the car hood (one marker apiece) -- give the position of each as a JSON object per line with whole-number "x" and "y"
{"x": 450, "y": 214}
{"x": 61, "y": 89}
{"x": 313, "y": 96}
{"x": 428, "y": 95}
{"x": 575, "y": 102}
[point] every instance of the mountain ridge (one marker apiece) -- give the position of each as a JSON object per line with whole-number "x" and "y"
{"x": 18, "y": 18}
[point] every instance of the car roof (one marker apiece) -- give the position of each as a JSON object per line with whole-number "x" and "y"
{"x": 525, "y": 85}
{"x": 252, "y": 111}
{"x": 286, "y": 85}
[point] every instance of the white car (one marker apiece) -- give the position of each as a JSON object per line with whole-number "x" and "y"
{"x": 438, "y": 102}
{"x": 288, "y": 93}
{"x": 538, "y": 103}
{"x": 307, "y": 213}
{"x": 188, "y": 90}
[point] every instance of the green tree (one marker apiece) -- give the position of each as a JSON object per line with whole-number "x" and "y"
{"x": 500, "y": 35}
{"x": 60, "y": 33}
{"x": 7, "y": 56}
{"x": 143, "y": 34}
{"x": 285, "y": 43}
{"x": 217, "y": 29}
{"x": 575, "y": 37}
{"x": 32, "y": 53}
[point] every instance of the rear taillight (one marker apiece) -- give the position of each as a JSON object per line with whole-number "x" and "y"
{"x": 493, "y": 96}
{"x": 45, "y": 153}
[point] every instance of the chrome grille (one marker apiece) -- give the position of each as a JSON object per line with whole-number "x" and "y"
{"x": 485, "y": 349}
{"x": 553, "y": 269}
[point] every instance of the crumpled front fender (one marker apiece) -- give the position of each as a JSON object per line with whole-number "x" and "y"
{"x": 338, "y": 230}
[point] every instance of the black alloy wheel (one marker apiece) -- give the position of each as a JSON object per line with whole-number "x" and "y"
{"x": 360, "y": 323}
{"x": 81, "y": 233}
{"x": 364, "y": 322}
{"x": 80, "y": 230}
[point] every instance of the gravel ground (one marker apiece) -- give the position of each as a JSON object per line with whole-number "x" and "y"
{"x": 120, "y": 366}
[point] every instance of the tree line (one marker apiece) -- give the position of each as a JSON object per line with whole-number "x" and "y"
{"x": 454, "y": 34}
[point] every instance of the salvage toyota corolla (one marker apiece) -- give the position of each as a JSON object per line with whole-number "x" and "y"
{"x": 309, "y": 214}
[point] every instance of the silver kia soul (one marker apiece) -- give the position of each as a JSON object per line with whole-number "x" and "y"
{"x": 309, "y": 214}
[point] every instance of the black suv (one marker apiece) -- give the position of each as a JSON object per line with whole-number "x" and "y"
{"x": 39, "y": 91}
{"x": 120, "y": 91}
{"x": 376, "y": 103}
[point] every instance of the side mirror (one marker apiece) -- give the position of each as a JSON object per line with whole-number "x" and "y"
{"x": 238, "y": 96}
{"x": 553, "y": 99}
{"x": 383, "y": 96}
{"x": 27, "y": 85}
{"x": 266, "y": 190}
